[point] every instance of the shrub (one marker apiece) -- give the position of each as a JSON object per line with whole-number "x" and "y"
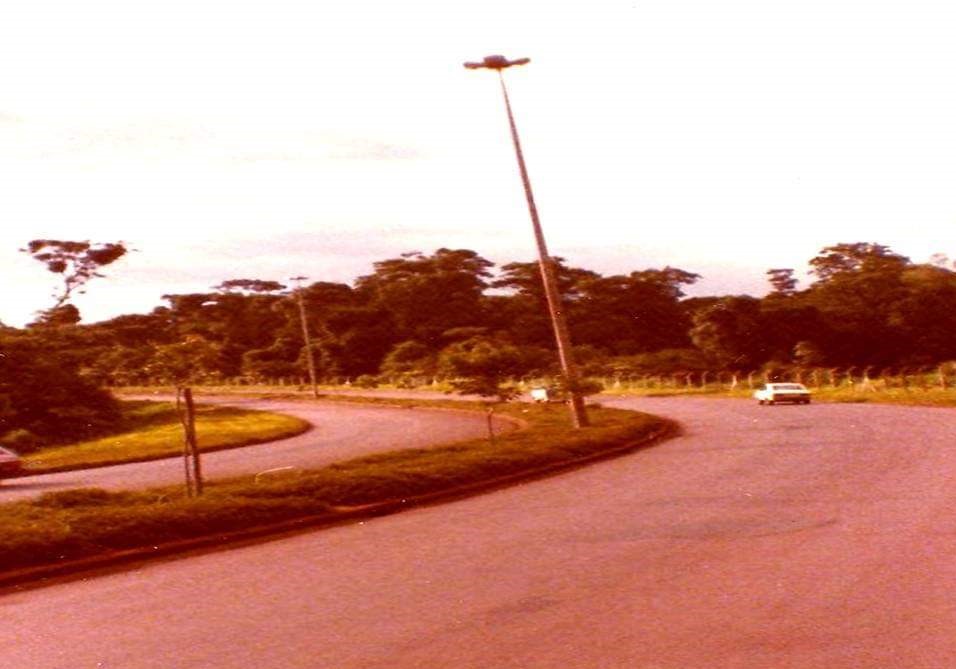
{"x": 21, "y": 441}
{"x": 42, "y": 393}
{"x": 366, "y": 381}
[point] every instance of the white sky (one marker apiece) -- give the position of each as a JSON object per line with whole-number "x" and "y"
{"x": 273, "y": 138}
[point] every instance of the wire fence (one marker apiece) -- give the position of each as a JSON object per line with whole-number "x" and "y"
{"x": 866, "y": 379}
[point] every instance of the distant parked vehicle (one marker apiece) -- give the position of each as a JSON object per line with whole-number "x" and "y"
{"x": 9, "y": 463}
{"x": 771, "y": 393}
{"x": 547, "y": 394}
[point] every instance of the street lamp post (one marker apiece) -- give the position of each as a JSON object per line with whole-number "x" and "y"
{"x": 552, "y": 293}
{"x": 306, "y": 337}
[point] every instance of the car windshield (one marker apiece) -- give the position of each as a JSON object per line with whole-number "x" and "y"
{"x": 787, "y": 386}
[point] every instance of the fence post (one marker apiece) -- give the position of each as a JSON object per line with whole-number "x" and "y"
{"x": 832, "y": 376}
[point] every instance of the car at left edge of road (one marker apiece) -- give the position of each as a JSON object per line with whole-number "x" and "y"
{"x": 9, "y": 463}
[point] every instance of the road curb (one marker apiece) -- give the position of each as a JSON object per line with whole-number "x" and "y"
{"x": 33, "y": 576}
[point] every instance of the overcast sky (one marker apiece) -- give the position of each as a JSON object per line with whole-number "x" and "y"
{"x": 274, "y": 138}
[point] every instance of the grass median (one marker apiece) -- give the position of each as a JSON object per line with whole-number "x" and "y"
{"x": 84, "y": 523}
{"x": 151, "y": 430}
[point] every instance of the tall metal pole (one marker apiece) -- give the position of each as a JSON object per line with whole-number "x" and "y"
{"x": 306, "y": 337}
{"x": 579, "y": 416}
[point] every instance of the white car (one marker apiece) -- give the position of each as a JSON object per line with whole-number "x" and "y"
{"x": 549, "y": 394}
{"x": 771, "y": 393}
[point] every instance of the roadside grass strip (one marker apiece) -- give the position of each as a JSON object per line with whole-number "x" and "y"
{"x": 84, "y": 523}
{"x": 857, "y": 394}
{"x": 151, "y": 430}
{"x": 914, "y": 396}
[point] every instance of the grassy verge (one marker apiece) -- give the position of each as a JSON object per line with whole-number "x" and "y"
{"x": 937, "y": 397}
{"x": 151, "y": 430}
{"x": 912, "y": 396}
{"x": 82, "y": 523}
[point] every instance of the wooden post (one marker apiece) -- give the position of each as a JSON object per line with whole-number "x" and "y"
{"x": 193, "y": 443}
{"x": 186, "y": 409}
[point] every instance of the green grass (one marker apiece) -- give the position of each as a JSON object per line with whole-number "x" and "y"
{"x": 913, "y": 396}
{"x": 875, "y": 392}
{"x": 151, "y": 430}
{"x": 90, "y": 522}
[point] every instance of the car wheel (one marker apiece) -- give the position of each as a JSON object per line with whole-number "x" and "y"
{"x": 760, "y": 402}
{"x": 770, "y": 402}
{"x": 806, "y": 401}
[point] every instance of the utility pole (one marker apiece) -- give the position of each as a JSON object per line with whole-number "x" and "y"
{"x": 579, "y": 416}
{"x": 306, "y": 337}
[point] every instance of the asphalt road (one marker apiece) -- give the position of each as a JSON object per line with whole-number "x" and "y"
{"x": 340, "y": 431}
{"x": 765, "y": 537}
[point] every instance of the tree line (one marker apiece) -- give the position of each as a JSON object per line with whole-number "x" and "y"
{"x": 418, "y": 316}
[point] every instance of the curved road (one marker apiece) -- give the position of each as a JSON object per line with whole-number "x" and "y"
{"x": 340, "y": 431}
{"x": 764, "y": 537}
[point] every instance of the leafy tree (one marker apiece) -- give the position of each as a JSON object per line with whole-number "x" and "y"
{"x": 318, "y": 306}
{"x": 42, "y": 394}
{"x": 482, "y": 366}
{"x": 77, "y": 262}
{"x": 192, "y": 360}
{"x": 278, "y": 360}
{"x": 184, "y": 364}
{"x": 359, "y": 339}
{"x": 408, "y": 360}
{"x": 924, "y": 316}
{"x": 730, "y": 333}
{"x": 857, "y": 288}
{"x": 859, "y": 257}
{"x": 424, "y": 295}
{"x": 256, "y": 286}
{"x": 235, "y": 321}
{"x": 783, "y": 282}
{"x": 634, "y": 313}
{"x": 524, "y": 313}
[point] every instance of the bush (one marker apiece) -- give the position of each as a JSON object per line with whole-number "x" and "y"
{"x": 366, "y": 381}
{"x": 41, "y": 393}
{"x": 21, "y": 441}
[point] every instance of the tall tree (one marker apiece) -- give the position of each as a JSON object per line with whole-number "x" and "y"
{"x": 43, "y": 398}
{"x": 859, "y": 257}
{"x": 77, "y": 262}
{"x": 782, "y": 281}
{"x": 525, "y": 313}
{"x": 857, "y": 286}
{"x": 631, "y": 314}
{"x": 482, "y": 366}
{"x": 424, "y": 295}
{"x": 730, "y": 332}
